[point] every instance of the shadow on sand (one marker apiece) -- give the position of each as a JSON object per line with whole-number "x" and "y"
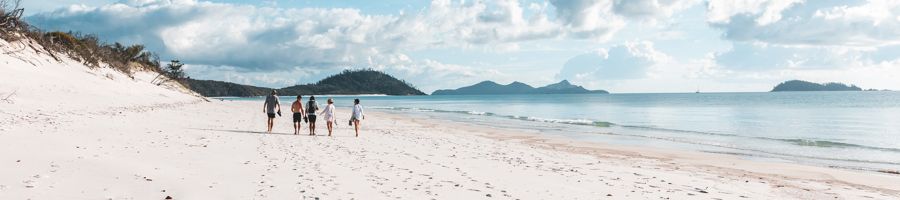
{"x": 264, "y": 133}
{"x": 244, "y": 131}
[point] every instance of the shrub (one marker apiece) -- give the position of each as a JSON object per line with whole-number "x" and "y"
{"x": 77, "y": 47}
{"x": 10, "y": 23}
{"x": 87, "y": 49}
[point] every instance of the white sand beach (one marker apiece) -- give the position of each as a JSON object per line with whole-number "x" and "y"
{"x": 217, "y": 150}
{"x": 70, "y": 132}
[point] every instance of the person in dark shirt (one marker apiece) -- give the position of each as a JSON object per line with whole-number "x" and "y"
{"x": 269, "y": 108}
{"x": 311, "y": 108}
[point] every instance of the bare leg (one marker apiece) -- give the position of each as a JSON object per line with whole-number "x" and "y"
{"x": 329, "y": 128}
{"x": 269, "y": 125}
{"x": 312, "y": 127}
{"x": 296, "y": 128}
{"x": 356, "y": 127}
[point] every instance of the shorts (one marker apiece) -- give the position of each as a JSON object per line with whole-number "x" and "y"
{"x": 298, "y": 117}
{"x": 271, "y": 115}
{"x": 312, "y": 119}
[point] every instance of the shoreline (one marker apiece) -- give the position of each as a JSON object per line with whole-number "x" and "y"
{"x": 216, "y": 150}
{"x": 580, "y": 130}
{"x": 722, "y": 160}
{"x": 883, "y": 180}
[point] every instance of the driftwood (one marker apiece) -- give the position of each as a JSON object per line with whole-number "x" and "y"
{"x": 10, "y": 16}
{"x": 8, "y": 98}
{"x": 10, "y": 52}
{"x": 160, "y": 79}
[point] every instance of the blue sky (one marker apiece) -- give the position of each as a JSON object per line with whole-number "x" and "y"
{"x": 620, "y": 46}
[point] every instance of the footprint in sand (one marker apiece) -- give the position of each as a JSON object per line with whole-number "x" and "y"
{"x": 29, "y": 183}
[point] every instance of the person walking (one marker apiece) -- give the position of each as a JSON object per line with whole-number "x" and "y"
{"x": 328, "y": 115}
{"x": 269, "y": 108}
{"x": 299, "y": 114}
{"x": 357, "y": 115}
{"x": 311, "y": 108}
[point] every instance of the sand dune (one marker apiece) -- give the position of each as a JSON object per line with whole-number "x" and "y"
{"x": 44, "y": 85}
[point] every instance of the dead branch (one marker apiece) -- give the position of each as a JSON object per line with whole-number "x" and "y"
{"x": 10, "y": 52}
{"x": 160, "y": 79}
{"x": 8, "y": 98}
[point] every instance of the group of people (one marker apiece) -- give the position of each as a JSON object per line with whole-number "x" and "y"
{"x": 272, "y": 107}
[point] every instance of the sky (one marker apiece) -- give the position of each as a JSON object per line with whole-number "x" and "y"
{"x": 623, "y": 46}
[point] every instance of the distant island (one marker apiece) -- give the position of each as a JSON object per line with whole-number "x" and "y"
{"x": 490, "y": 87}
{"x": 798, "y": 85}
{"x": 347, "y": 82}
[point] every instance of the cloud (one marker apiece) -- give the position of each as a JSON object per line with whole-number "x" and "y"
{"x": 430, "y": 75}
{"x": 263, "y": 38}
{"x": 588, "y": 18}
{"x": 796, "y": 35}
{"x": 251, "y": 39}
{"x": 761, "y": 12}
{"x": 859, "y": 24}
{"x": 628, "y": 61}
{"x": 275, "y": 79}
{"x": 748, "y": 56}
{"x": 427, "y": 75}
{"x": 650, "y": 9}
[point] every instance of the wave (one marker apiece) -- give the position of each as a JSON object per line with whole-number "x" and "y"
{"x": 593, "y": 123}
{"x": 348, "y": 95}
{"x": 401, "y": 108}
{"x": 832, "y": 144}
{"x": 516, "y": 117}
{"x": 563, "y": 121}
{"x": 680, "y": 131}
{"x": 794, "y": 141}
{"x": 762, "y": 152}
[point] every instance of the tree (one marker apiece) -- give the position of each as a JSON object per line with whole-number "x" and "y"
{"x": 174, "y": 71}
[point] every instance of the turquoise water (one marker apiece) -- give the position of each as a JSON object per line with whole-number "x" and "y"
{"x": 859, "y": 130}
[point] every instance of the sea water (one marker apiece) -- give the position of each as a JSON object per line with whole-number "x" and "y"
{"x": 858, "y": 130}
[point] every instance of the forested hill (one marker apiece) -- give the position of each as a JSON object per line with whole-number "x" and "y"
{"x": 347, "y": 82}
{"x": 212, "y": 88}
{"x": 798, "y": 85}
{"x": 356, "y": 82}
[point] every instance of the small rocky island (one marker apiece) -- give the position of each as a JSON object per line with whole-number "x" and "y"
{"x": 799, "y": 85}
{"x": 490, "y": 87}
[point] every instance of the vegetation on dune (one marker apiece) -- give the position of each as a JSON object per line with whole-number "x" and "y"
{"x": 85, "y": 48}
{"x": 93, "y": 52}
{"x": 10, "y": 13}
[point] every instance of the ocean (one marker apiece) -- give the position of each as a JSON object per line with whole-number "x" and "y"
{"x": 854, "y": 130}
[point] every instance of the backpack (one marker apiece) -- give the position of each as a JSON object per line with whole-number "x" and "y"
{"x": 311, "y": 107}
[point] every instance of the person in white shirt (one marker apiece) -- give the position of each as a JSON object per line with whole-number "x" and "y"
{"x": 328, "y": 114}
{"x": 357, "y": 115}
